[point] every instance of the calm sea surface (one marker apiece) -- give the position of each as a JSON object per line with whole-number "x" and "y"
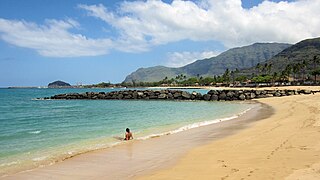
{"x": 40, "y": 132}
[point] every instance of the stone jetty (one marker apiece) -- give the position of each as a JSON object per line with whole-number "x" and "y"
{"x": 212, "y": 95}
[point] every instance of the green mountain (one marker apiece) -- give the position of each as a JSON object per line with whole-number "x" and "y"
{"x": 298, "y": 58}
{"x": 236, "y": 58}
{"x": 153, "y": 74}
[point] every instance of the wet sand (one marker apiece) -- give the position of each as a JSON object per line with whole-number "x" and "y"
{"x": 141, "y": 157}
{"x": 285, "y": 145}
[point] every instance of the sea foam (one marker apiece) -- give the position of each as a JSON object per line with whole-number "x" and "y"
{"x": 34, "y": 132}
{"x": 194, "y": 125}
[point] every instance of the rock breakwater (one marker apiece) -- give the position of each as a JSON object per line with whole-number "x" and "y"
{"x": 212, "y": 95}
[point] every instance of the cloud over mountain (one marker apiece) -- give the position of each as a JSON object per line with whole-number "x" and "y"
{"x": 155, "y": 22}
{"x": 179, "y": 59}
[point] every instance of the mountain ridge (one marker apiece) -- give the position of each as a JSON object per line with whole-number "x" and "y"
{"x": 301, "y": 54}
{"x": 235, "y": 58}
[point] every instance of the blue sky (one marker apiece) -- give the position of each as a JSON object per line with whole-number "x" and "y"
{"x": 99, "y": 41}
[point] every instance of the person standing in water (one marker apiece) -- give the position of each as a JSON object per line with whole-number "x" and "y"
{"x": 128, "y": 135}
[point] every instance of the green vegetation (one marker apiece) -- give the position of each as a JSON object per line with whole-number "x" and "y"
{"x": 100, "y": 85}
{"x": 297, "y": 64}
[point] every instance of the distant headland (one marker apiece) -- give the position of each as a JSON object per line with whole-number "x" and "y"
{"x": 58, "y": 84}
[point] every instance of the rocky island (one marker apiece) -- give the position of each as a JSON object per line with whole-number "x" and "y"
{"x": 58, "y": 84}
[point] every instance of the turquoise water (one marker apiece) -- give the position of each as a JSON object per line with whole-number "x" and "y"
{"x": 39, "y": 132}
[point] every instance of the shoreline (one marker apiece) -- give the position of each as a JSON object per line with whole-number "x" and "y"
{"x": 65, "y": 154}
{"x": 142, "y": 144}
{"x": 282, "y": 146}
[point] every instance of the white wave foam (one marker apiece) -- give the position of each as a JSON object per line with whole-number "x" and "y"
{"x": 40, "y": 99}
{"x": 9, "y": 164}
{"x": 34, "y": 132}
{"x": 195, "y": 125}
{"x": 40, "y": 158}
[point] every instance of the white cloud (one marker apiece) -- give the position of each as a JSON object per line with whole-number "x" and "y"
{"x": 52, "y": 39}
{"x": 149, "y": 23}
{"x": 179, "y": 59}
{"x": 141, "y": 25}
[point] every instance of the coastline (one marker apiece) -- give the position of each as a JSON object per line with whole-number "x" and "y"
{"x": 224, "y": 149}
{"x": 135, "y": 152}
{"x": 282, "y": 146}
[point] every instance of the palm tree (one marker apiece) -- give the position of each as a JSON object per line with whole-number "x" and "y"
{"x": 226, "y": 75}
{"x": 303, "y": 69}
{"x": 269, "y": 68}
{"x": 295, "y": 69}
{"x": 134, "y": 82}
{"x": 274, "y": 77}
{"x": 315, "y": 63}
{"x": 265, "y": 68}
{"x": 285, "y": 74}
{"x": 258, "y": 68}
{"x": 232, "y": 76}
{"x": 315, "y": 73}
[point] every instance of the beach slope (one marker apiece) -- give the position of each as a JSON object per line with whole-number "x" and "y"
{"x": 284, "y": 146}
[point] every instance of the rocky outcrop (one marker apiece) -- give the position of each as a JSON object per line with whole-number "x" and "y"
{"x": 58, "y": 84}
{"x": 212, "y": 95}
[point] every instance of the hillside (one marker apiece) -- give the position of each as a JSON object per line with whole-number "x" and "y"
{"x": 242, "y": 57}
{"x": 56, "y": 84}
{"x": 298, "y": 57}
{"x": 153, "y": 74}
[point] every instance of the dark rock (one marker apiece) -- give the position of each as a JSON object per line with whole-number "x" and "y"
{"x": 153, "y": 97}
{"x": 211, "y": 92}
{"x": 277, "y": 94}
{"x": 162, "y": 96}
{"x": 120, "y": 96}
{"x": 242, "y": 97}
{"x": 177, "y": 95}
{"x": 185, "y": 95}
{"x": 222, "y": 96}
{"x": 269, "y": 95}
{"x": 135, "y": 95}
{"x": 206, "y": 97}
{"x": 199, "y": 96}
{"x": 214, "y": 97}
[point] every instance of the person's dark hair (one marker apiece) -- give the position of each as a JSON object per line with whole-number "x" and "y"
{"x": 128, "y": 130}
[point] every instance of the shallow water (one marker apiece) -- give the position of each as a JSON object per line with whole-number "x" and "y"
{"x": 40, "y": 132}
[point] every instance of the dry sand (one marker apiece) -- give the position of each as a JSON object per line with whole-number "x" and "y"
{"x": 283, "y": 146}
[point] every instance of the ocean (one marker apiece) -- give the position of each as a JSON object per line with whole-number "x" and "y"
{"x": 37, "y": 133}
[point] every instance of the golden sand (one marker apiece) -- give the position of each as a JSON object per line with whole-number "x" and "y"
{"x": 283, "y": 146}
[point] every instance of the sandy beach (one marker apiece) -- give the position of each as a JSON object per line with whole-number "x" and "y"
{"x": 283, "y": 146}
{"x": 278, "y": 139}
